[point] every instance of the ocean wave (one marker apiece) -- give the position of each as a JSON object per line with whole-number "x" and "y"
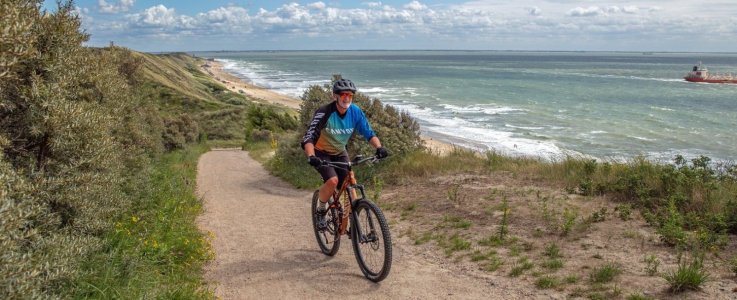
{"x": 661, "y": 108}
{"x": 523, "y": 127}
{"x": 288, "y": 83}
{"x": 485, "y": 109}
{"x": 480, "y": 137}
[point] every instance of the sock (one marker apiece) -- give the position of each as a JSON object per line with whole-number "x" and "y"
{"x": 322, "y": 205}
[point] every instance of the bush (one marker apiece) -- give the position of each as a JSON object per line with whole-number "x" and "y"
{"x": 179, "y": 131}
{"x": 261, "y": 120}
{"x": 74, "y": 135}
{"x": 688, "y": 276}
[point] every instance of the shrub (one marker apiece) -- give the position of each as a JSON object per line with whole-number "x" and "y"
{"x": 260, "y": 118}
{"x": 179, "y": 131}
{"x": 80, "y": 137}
{"x": 688, "y": 276}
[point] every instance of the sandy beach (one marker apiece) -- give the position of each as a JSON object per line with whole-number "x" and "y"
{"x": 237, "y": 85}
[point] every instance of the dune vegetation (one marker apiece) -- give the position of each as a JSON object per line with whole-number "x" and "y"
{"x": 97, "y": 169}
{"x": 99, "y": 154}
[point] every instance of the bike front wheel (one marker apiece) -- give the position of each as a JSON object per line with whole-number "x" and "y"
{"x": 327, "y": 231}
{"x": 372, "y": 242}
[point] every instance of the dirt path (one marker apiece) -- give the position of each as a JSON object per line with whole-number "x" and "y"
{"x": 265, "y": 247}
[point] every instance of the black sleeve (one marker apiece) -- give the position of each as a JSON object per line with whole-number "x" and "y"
{"x": 316, "y": 125}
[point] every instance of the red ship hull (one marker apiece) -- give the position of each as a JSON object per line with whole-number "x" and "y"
{"x": 711, "y": 80}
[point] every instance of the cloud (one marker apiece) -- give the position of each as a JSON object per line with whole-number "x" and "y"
{"x": 480, "y": 22}
{"x": 113, "y": 8}
{"x": 608, "y": 10}
{"x": 415, "y": 5}
{"x": 534, "y": 11}
{"x": 317, "y": 5}
{"x": 157, "y": 16}
{"x": 585, "y": 12}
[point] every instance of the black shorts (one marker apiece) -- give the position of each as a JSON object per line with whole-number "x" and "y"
{"x": 328, "y": 172}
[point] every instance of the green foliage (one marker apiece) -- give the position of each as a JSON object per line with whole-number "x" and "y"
{"x": 72, "y": 127}
{"x": 552, "y": 251}
{"x": 652, "y": 263}
{"x": 79, "y": 128}
{"x": 671, "y": 225}
{"x": 552, "y": 264}
{"x": 503, "y": 228}
{"x": 261, "y": 121}
{"x": 605, "y": 273}
{"x": 456, "y": 222}
{"x": 688, "y": 276}
{"x": 222, "y": 124}
{"x": 624, "y": 211}
{"x": 523, "y": 264}
{"x": 179, "y": 132}
{"x": 397, "y": 131}
{"x": 547, "y": 282}
{"x": 454, "y": 244}
{"x": 599, "y": 216}
{"x": 290, "y": 164}
{"x": 639, "y": 297}
{"x": 569, "y": 219}
{"x": 154, "y": 250}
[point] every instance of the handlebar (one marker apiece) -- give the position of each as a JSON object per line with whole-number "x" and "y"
{"x": 359, "y": 159}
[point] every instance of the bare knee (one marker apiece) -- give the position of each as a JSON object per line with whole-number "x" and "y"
{"x": 332, "y": 182}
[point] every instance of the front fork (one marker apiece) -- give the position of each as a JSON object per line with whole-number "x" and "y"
{"x": 356, "y": 190}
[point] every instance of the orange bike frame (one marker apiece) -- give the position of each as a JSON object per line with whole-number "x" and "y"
{"x": 349, "y": 180}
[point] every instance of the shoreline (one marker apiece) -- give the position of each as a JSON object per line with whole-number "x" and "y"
{"x": 238, "y": 85}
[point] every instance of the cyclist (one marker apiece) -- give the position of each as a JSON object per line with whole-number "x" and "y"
{"x": 328, "y": 133}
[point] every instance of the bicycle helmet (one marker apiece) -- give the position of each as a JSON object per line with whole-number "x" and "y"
{"x": 343, "y": 85}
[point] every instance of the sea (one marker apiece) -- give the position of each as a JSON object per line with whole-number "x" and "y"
{"x": 609, "y": 106}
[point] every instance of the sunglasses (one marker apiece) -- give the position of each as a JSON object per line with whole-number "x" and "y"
{"x": 344, "y": 96}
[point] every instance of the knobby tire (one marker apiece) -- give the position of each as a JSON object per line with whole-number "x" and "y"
{"x": 373, "y": 249}
{"x": 327, "y": 238}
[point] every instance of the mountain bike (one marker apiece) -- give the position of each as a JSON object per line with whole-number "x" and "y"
{"x": 369, "y": 231}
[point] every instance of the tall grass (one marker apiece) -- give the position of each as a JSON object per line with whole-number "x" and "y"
{"x": 155, "y": 250}
{"x": 693, "y": 204}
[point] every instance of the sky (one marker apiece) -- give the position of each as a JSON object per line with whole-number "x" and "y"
{"x": 543, "y": 25}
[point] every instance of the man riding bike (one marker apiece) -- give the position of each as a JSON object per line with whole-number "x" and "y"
{"x": 328, "y": 133}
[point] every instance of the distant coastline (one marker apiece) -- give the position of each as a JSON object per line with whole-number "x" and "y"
{"x": 237, "y": 84}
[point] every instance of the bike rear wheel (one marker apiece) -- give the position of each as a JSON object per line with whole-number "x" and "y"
{"x": 328, "y": 236}
{"x": 372, "y": 242}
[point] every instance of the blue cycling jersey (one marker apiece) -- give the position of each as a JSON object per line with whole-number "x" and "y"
{"x": 329, "y": 131}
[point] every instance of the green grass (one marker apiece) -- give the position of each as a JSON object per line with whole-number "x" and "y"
{"x": 547, "y": 282}
{"x": 155, "y": 250}
{"x": 424, "y": 238}
{"x": 605, "y": 273}
{"x": 688, "y": 276}
{"x": 523, "y": 264}
{"x": 457, "y": 222}
{"x": 552, "y": 251}
{"x": 552, "y": 264}
{"x": 454, "y": 244}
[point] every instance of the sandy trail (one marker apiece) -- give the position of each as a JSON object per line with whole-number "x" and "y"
{"x": 265, "y": 248}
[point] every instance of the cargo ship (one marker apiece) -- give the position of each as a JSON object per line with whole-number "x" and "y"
{"x": 701, "y": 74}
